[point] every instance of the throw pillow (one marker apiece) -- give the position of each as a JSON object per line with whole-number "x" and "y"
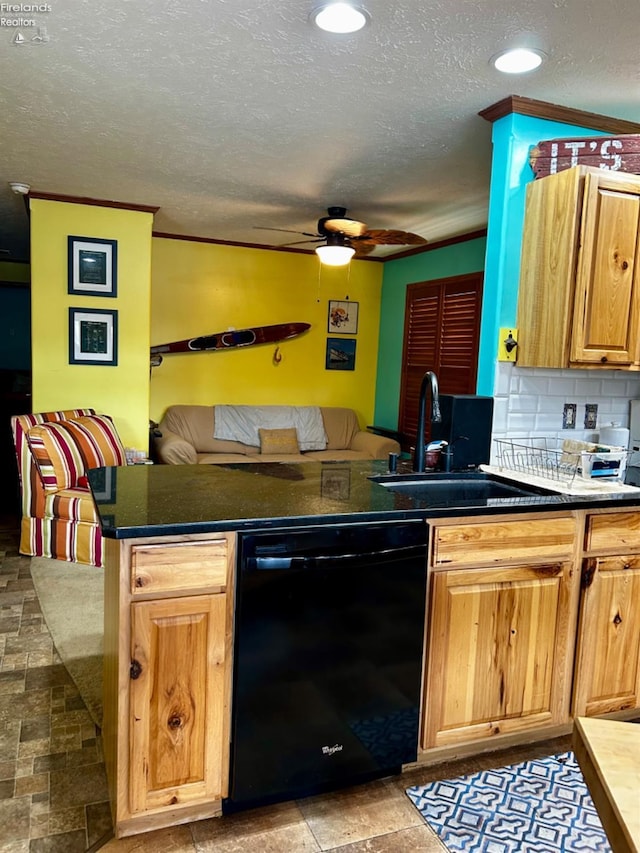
{"x": 56, "y": 456}
{"x": 98, "y": 441}
{"x": 279, "y": 440}
{"x": 65, "y": 450}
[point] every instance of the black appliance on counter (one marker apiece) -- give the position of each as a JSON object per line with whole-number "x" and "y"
{"x": 327, "y": 660}
{"x": 466, "y": 425}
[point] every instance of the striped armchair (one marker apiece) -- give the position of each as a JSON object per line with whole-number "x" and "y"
{"x": 54, "y": 452}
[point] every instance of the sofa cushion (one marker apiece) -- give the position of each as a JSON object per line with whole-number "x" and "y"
{"x": 196, "y": 425}
{"x": 66, "y": 450}
{"x": 283, "y": 440}
{"x": 341, "y": 425}
{"x": 71, "y": 505}
{"x": 242, "y": 423}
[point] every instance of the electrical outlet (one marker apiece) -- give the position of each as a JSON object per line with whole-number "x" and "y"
{"x": 569, "y": 416}
{"x": 590, "y": 415}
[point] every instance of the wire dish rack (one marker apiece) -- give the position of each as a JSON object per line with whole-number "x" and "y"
{"x": 541, "y": 457}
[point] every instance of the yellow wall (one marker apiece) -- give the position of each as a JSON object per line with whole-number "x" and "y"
{"x": 121, "y": 391}
{"x": 202, "y": 288}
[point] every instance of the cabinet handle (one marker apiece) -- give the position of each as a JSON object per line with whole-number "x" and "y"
{"x": 135, "y": 670}
{"x": 604, "y": 359}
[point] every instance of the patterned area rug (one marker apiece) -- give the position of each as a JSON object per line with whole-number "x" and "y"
{"x": 539, "y": 806}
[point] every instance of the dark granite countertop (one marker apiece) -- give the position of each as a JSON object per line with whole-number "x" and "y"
{"x": 151, "y": 500}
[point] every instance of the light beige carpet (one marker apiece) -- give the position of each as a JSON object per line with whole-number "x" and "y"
{"x": 72, "y": 600}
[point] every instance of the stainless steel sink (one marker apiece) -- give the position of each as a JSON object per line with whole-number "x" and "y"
{"x": 452, "y": 487}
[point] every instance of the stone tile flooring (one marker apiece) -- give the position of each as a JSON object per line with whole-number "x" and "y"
{"x": 53, "y": 792}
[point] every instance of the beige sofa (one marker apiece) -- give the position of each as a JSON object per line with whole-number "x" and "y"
{"x": 185, "y": 436}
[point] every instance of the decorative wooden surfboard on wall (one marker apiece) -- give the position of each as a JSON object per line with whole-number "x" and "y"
{"x": 613, "y": 153}
{"x": 230, "y": 339}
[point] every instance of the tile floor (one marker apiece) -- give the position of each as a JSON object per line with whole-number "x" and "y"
{"x": 53, "y": 794}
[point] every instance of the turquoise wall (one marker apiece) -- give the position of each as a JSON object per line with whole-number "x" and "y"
{"x": 498, "y": 254}
{"x": 458, "y": 259}
{"x": 512, "y": 139}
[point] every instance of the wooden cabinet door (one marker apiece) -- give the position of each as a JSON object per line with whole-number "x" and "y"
{"x": 606, "y": 311}
{"x": 579, "y": 299}
{"x": 178, "y": 704}
{"x": 608, "y": 659}
{"x": 548, "y": 268}
{"x": 500, "y": 652}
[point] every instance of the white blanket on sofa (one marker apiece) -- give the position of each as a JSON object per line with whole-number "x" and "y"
{"x": 241, "y": 423}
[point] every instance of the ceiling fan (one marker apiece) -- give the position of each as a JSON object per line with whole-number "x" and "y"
{"x": 349, "y": 237}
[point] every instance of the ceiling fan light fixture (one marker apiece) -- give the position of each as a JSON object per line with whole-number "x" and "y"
{"x": 335, "y": 256}
{"x": 518, "y": 60}
{"x": 340, "y": 17}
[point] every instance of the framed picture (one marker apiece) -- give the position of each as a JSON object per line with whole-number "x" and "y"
{"x": 93, "y": 266}
{"x": 343, "y": 318}
{"x": 341, "y": 354}
{"x": 93, "y": 336}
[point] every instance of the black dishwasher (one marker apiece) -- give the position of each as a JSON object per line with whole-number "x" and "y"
{"x": 327, "y": 660}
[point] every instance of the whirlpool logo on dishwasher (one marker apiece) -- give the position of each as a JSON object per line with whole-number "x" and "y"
{"x": 331, "y": 750}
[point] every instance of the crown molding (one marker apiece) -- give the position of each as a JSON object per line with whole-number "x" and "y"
{"x": 417, "y": 250}
{"x": 95, "y": 202}
{"x": 189, "y": 238}
{"x": 555, "y": 112}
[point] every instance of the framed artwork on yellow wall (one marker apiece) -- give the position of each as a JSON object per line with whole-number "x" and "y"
{"x": 341, "y": 354}
{"x": 93, "y": 336}
{"x": 92, "y": 266}
{"x": 343, "y": 317}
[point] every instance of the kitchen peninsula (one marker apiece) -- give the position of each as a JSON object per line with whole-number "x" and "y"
{"x": 519, "y": 636}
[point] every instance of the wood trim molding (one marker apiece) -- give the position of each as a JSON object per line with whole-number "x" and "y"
{"x": 165, "y": 236}
{"x": 96, "y": 202}
{"x": 439, "y": 244}
{"x": 418, "y": 250}
{"x": 556, "y": 112}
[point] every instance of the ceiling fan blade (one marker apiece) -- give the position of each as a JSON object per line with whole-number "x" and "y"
{"x": 350, "y": 227}
{"x": 287, "y": 230}
{"x": 391, "y": 237}
{"x": 362, "y": 247}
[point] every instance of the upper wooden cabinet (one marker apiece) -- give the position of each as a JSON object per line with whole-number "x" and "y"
{"x": 579, "y": 298}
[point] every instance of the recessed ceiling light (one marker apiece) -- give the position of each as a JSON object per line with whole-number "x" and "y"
{"x": 518, "y": 61}
{"x": 340, "y": 17}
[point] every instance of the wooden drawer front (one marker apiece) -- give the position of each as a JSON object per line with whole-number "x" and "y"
{"x": 500, "y": 541}
{"x": 619, "y": 531}
{"x": 185, "y": 566}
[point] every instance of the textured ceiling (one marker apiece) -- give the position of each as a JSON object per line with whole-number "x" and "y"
{"x": 230, "y": 114}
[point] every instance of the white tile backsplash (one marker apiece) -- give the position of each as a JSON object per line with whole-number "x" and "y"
{"x": 529, "y": 401}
